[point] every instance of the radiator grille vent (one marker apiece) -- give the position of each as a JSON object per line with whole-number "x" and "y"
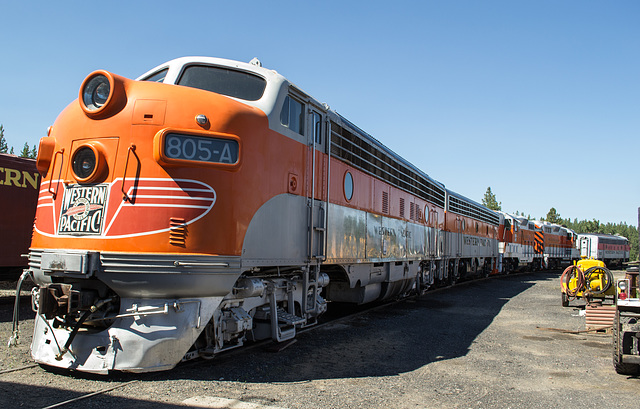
{"x": 385, "y": 202}
{"x": 177, "y": 232}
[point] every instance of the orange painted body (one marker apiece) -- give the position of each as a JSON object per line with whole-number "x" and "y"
{"x": 368, "y": 197}
{"x": 131, "y": 140}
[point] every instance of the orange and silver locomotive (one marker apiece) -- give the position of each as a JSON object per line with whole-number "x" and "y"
{"x": 212, "y": 202}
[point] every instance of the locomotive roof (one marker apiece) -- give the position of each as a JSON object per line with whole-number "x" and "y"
{"x": 604, "y": 236}
{"x": 275, "y": 82}
{"x": 385, "y": 149}
{"x": 274, "y": 79}
{"x": 471, "y": 208}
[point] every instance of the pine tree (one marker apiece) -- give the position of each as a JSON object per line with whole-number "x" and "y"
{"x": 554, "y": 217}
{"x": 3, "y": 142}
{"x": 489, "y": 200}
{"x": 25, "y": 151}
{"x": 34, "y": 152}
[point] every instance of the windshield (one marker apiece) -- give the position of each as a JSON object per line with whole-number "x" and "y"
{"x": 158, "y": 76}
{"x": 225, "y": 81}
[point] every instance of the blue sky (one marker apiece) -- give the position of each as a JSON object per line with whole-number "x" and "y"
{"x": 539, "y": 100}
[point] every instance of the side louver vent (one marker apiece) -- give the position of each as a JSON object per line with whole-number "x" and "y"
{"x": 385, "y": 202}
{"x": 177, "y": 232}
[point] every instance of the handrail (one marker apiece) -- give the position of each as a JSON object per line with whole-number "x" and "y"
{"x": 125, "y": 196}
{"x": 53, "y": 169}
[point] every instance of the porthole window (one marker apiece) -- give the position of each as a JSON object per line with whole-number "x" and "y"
{"x": 348, "y": 186}
{"x": 426, "y": 214}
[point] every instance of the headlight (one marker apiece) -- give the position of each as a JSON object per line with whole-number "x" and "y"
{"x": 622, "y": 285}
{"x": 96, "y": 92}
{"x": 102, "y": 94}
{"x": 84, "y": 162}
{"x": 88, "y": 163}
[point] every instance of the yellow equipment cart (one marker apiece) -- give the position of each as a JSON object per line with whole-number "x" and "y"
{"x": 588, "y": 279}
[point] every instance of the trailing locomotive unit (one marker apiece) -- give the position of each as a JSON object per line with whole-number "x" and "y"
{"x": 521, "y": 244}
{"x": 559, "y": 245}
{"x": 612, "y": 250}
{"x": 211, "y": 202}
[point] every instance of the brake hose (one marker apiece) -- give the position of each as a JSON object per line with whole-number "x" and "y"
{"x": 15, "y": 333}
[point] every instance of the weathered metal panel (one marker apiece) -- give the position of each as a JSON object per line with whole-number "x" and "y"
{"x": 347, "y": 234}
{"x": 417, "y": 244}
{"x": 394, "y": 241}
{"x": 278, "y": 232}
{"x": 374, "y": 244}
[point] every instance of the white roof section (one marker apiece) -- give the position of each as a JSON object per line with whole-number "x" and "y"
{"x": 276, "y": 83}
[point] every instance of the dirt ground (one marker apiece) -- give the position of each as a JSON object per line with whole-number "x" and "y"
{"x": 497, "y": 343}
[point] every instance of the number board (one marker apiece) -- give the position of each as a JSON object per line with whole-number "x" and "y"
{"x": 202, "y": 149}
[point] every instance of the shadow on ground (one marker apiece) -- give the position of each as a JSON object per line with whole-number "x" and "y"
{"x": 395, "y": 339}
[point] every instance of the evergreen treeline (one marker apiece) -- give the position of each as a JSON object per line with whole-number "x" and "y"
{"x": 582, "y": 226}
{"x": 594, "y": 226}
{"x": 26, "y": 151}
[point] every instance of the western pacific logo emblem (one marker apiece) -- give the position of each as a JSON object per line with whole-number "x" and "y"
{"x": 83, "y": 209}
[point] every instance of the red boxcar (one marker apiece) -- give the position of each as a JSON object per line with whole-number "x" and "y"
{"x": 19, "y": 184}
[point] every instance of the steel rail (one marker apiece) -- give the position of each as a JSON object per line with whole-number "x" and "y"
{"x": 89, "y": 395}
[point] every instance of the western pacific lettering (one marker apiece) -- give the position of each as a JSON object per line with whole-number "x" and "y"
{"x": 93, "y": 194}
{"x": 83, "y": 210}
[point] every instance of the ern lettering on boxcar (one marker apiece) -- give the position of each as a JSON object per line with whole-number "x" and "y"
{"x": 18, "y": 178}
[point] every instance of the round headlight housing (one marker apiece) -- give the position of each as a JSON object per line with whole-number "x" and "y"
{"x": 96, "y": 92}
{"x": 88, "y": 164}
{"x": 102, "y": 94}
{"x": 622, "y": 285}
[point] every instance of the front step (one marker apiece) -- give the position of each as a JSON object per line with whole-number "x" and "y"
{"x": 287, "y": 319}
{"x": 283, "y": 324}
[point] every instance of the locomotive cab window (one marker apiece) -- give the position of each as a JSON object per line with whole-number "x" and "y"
{"x": 158, "y": 76}
{"x": 317, "y": 127}
{"x": 225, "y": 81}
{"x": 292, "y": 115}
